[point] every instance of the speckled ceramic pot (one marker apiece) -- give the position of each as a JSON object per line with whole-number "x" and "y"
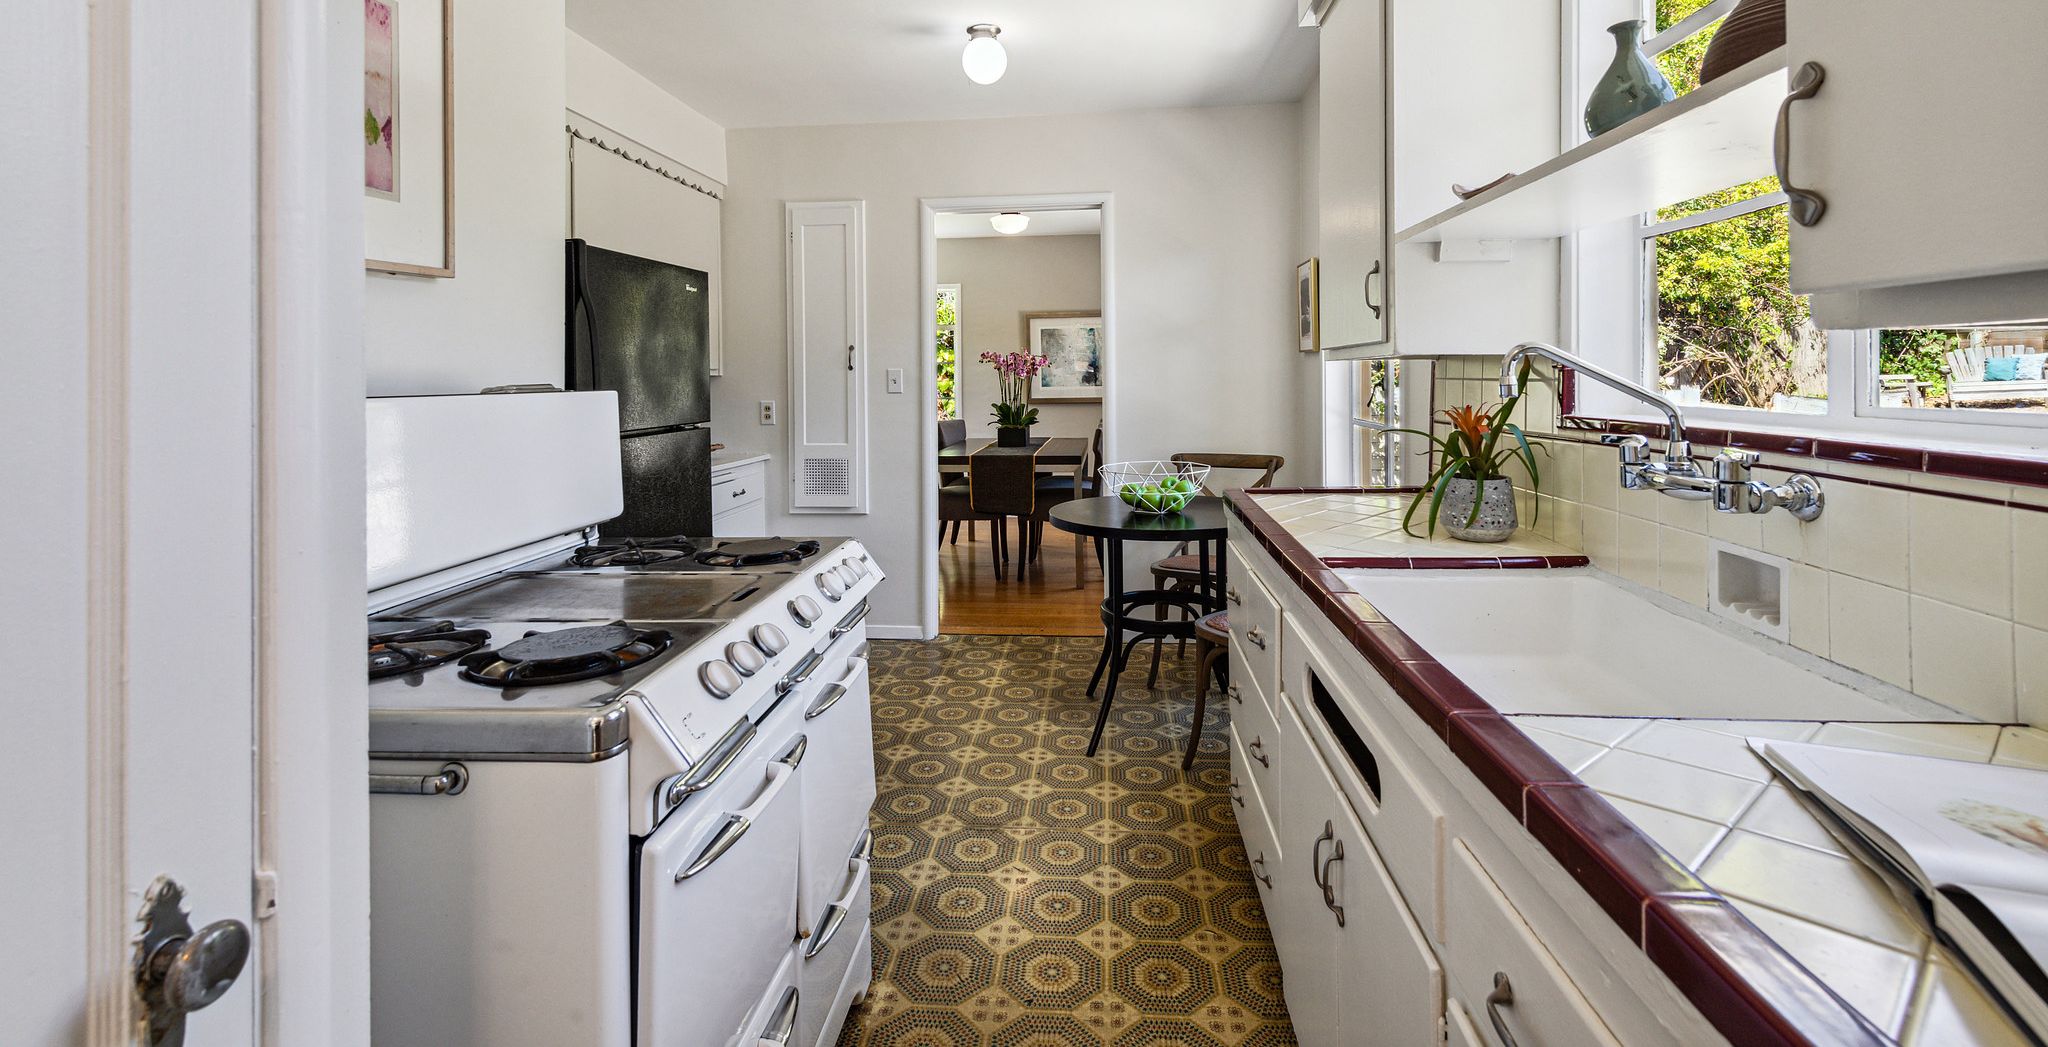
{"x": 1496, "y": 521}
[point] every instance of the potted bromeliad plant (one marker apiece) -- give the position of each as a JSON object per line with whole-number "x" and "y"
{"x": 1014, "y": 414}
{"x": 1468, "y": 489}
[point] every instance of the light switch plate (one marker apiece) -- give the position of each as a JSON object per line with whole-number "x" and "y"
{"x": 767, "y": 412}
{"x": 894, "y": 377}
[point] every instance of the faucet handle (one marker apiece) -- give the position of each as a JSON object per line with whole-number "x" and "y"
{"x": 1733, "y": 466}
{"x": 1635, "y": 447}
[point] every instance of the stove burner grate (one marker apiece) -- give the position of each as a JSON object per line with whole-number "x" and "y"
{"x": 755, "y": 552}
{"x": 634, "y": 552}
{"x": 412, "y": 647}
{"x": 565, "y": 655}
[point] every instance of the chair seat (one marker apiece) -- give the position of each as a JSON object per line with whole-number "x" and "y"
{"x": 1214, "y": 628}
{"x": 1188, "y": 566}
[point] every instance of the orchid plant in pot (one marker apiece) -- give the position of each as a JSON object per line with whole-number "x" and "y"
{"x": 1469, "y": 490}
{"x": 1014, "y": 414}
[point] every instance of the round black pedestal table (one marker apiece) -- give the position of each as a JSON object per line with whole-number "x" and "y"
{"x": 1111, "y": 522}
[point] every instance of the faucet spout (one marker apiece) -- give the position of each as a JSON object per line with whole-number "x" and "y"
{"x": 1510, "y": 363}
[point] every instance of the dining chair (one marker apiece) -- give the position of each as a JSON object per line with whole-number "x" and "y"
{"x": 953, "y": 431}
{"x": 1083, "y": 482}
{"x": 1182, "y": 570}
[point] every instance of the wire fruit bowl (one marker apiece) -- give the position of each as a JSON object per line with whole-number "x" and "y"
{"x": 1154, "y": 487}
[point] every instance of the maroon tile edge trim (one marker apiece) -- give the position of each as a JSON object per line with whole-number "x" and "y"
{"x": 1972, "y": 465}
{"x": 1740, "y": 981}
{"x": 1432, "y": 563}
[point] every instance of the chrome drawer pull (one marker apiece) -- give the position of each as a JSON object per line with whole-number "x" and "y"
{"x": 1804, "y": 205}
{"x": 1260, "y": 861}
{"x": 1232, "y": 594}
{"x": 784, "y": 1026}
{"x": 1236, "y": 797}
{"x": 450, "y": 782}
{"x": 835, "y": 913}
{"x": 1235, "y": 694}
{"x": 1503, "y": 995}
{"x": 1257, "y": 751}
{"x": 1256, "y": 638}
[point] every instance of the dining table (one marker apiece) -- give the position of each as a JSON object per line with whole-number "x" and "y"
{"x": 1046, "y": 450}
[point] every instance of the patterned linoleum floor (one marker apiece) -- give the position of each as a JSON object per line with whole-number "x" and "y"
{"x": 1027, "y": 895}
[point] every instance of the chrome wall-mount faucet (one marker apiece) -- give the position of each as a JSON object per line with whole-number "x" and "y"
{"x": 1675, "y": 473}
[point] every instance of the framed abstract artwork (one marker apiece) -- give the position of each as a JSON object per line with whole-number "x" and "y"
{"x": 408, "y": 129}
{"x": 1307, "y": 307}
{"x": 1072, "y": 343}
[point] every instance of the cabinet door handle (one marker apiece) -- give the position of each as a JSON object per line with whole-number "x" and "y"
{"x": 1262, "y": 877}
{"x": 1366, "y": 285}
{"x": 1235, "y": 796}
{"x": 1804, "y": 205}
{"x": 1315, "y": 856}
{"x": 739, "y": 492}
{"x": 1236, "y": 695}
{"x": 1232, "y": 594}
{"x": 1256, "y": 638}
{"x": 1323, "y": 878}
{"x": 1257, "y": 751}
{"x": 1503, "y": 995}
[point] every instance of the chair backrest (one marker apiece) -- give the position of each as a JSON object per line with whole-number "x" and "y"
{"x": 1093, "y": 466}
{"x": 1269, "y": 463}
{"x": 952, "y": 431}
{"x": 1967, "y": 363}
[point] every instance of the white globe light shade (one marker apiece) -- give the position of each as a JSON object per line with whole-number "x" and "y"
{"x": 984, "y": 60}
{"x": 1009, "y": 223}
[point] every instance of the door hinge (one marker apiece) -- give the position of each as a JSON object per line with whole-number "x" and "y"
{"x": 266, "y": 894}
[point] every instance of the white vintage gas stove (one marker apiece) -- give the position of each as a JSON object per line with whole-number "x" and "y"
{"x": 620, "y": 789}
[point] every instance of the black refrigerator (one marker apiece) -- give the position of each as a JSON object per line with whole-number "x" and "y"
{"x": 642, "y": 329}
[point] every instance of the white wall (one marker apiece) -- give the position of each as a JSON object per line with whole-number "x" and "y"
{"x": 499, "y": 319}
{"x": 606, "y": 90}
{"x": 1204, "y": 244}
{"x": 1000, "y": 279}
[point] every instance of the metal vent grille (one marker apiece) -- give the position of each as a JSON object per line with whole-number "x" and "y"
{"x": 825, "y": 477}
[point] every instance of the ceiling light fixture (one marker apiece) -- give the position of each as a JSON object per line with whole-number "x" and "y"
{"x": 984, "y": 60}
{"x": 1009, "y": 223}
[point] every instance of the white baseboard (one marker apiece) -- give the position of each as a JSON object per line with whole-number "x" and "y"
{"x": 896, "y": 632}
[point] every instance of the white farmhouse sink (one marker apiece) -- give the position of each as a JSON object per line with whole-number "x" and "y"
{"x": 1573, "y": 642}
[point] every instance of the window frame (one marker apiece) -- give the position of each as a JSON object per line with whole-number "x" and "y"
{"x": 938, "y": 329}
{"x": 1406, "y": 381}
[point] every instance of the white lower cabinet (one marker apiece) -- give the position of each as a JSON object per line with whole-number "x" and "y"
{"x": 1458, "y": 1028}
{"x": 1358, "y": 969}
{"x": 1494, "y": 956}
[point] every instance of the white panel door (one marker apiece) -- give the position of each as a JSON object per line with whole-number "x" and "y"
{"x": 827, "y": 354}
{"x": 1925, "y": 139}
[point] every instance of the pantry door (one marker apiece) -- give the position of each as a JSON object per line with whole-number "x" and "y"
{"x": 176, "y": 377}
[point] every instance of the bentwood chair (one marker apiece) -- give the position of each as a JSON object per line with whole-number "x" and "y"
{"x": 1184, "y": 571}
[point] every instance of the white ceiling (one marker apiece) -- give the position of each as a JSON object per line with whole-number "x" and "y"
{"x": 1043, "y": 223}
{"x": 777, "y": 63}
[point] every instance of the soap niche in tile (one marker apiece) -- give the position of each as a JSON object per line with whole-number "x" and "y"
{"x": 1750, "y": 587}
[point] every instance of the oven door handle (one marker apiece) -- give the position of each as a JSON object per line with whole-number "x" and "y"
{"x": 835, "y": 913}
{"x": 794, "y": 758}
{"x": 846, "y": 624}
{"x": 783, "y": 1026}
{"x": 724, "y": 753}
{"x": 830, "y": 696}
{"x": 736, "y": 824}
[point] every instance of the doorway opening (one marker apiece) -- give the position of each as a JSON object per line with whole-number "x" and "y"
{"x": 1018, "y": 322}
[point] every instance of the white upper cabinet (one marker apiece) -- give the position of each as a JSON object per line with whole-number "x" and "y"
{"x": 1352, "y": 174}
{"x": 1925, "y": 144}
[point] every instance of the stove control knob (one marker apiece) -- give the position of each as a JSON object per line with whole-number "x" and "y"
{"x": 854, "y": 566}
{"x": 847, "y": 575}
{"x": 831, "y": 586}
{"x": 744, "y": 657}
{"x": 805, "y": 611}
{"x": 719, "y": 678}
{"x": 769, "y": 639}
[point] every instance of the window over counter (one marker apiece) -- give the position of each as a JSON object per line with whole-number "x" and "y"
{"x": 1696, "y": 298}
{"x": 1386, "y": 396}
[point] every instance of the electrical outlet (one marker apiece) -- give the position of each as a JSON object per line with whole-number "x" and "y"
{"x": 767, "y": 412}
{"x": 894, "y": 378}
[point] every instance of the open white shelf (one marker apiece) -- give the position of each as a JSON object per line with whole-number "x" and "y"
{"x": 1715, "y": 137}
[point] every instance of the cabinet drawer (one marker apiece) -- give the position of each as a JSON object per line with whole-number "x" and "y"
{"x": 1253, "y": 810}
{"x": 1490, "y": 941}
{"x": 1255, "y": 744}
{"x": 1254, "y": 626}
{"x": 1405, "y": 822}
{"x": 735, "y": 488}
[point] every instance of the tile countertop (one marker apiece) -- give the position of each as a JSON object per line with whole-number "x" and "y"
{"x": 1695, "y": 788}
{"x": 1620, "y": 801}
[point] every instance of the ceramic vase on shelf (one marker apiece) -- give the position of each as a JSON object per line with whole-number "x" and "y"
{"x": 1631, "y": 86}
{"x": 1013, "y": 435}
{"x": 1496, "y": 521}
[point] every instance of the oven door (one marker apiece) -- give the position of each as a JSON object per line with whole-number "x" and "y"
{"x": 840, "y": 771}
{"x": 718, "y": 907}
{"x": 837, "y": 959}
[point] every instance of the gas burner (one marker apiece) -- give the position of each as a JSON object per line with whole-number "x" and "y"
{"x": 755, "y": 552}
{"x": 397, "y": 648}
{"x": 565, "y": 655}
{"x": 633, "y": 552}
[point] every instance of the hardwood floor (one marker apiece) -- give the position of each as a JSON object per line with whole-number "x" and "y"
{"x": 1053, "y": 597}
